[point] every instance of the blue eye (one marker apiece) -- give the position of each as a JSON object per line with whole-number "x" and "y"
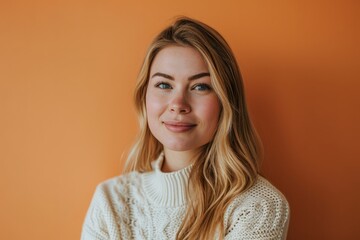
{"x": 163, "y": 85}
{"x": 202, "y": 87}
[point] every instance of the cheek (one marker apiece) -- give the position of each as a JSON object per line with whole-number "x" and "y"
{"x": 211, "y": 111}
{"x": 154, "y": 105}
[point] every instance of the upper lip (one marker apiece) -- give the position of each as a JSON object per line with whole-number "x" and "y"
{"x": 179, "y": 123}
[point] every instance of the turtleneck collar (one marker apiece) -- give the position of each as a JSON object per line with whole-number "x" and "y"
{"x": 166, "y": 189}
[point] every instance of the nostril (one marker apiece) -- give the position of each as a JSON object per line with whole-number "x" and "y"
{"x": 179, "y": 108}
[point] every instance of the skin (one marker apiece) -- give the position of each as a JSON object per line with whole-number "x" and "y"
{"x": 182, "y": 108}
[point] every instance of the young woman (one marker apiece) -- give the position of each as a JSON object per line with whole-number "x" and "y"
{"x": 193, "y": 172}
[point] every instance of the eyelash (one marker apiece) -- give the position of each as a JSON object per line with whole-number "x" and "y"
{"x": 168, "y": 86}
{"x": 207, "y": 87}
{"x": 162, "y": 83}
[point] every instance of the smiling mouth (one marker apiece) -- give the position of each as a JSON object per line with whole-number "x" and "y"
{"x": 179, "y": 127}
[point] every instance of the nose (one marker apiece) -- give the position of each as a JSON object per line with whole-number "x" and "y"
{"x": 179, "y": 104}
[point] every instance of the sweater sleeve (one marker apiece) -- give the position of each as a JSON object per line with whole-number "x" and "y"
{"x": 100, "y": 221}
{"x": 262, "y": 214}
{"x": 94, "y": 227}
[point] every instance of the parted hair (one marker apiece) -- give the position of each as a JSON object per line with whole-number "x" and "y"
{"x": 227, "y": 165}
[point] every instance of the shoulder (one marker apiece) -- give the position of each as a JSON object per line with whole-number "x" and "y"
{"x": 117, "y": 188}
{"x": 261, "y": 212}
{"x": 108, "y": 213}
{"x": 264, "y": 193}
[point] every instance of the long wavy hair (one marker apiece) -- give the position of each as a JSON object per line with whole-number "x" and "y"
{"x": 226, "y": 166}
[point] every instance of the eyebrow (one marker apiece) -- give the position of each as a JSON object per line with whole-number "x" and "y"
{"x": 194, "y": 77}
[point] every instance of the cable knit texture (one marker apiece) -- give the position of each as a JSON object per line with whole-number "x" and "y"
{"x": 152, "y": 206}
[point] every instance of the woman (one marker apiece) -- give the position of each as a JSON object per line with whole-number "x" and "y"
{"x": 193, "y": 172}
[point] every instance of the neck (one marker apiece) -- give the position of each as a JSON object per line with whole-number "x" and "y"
{"x": 176, "y": 160}
{"x": 166, "y": 189}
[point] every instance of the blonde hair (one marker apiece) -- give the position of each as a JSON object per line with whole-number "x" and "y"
{"x": 227, "y": 165}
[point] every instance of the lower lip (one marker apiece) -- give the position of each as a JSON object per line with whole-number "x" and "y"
{"x": 179, "y": 128}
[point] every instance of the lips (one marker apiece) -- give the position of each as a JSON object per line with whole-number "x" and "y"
{"x": 178, "y": 127}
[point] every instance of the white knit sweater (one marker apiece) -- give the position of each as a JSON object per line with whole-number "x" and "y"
{"x": 152, "y": 206}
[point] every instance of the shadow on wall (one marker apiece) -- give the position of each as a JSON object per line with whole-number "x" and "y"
{"x": 293, "y": 112}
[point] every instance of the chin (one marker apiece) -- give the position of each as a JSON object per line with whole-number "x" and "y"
{"x": 179, "y": 147}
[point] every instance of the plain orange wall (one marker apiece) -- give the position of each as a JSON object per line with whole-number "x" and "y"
{"x": 67, "y": 72}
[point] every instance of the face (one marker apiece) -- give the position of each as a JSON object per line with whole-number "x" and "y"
{"x": 182, "y": 108}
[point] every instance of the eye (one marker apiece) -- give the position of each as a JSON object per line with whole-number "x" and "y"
{"x": 201, "y": 87}
{"x": 163, "y": 85}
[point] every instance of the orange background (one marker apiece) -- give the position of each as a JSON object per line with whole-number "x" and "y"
{"x": 68, "y": 69}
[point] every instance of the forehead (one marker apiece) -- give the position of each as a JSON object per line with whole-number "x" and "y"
{"x": 174, "y": 59}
